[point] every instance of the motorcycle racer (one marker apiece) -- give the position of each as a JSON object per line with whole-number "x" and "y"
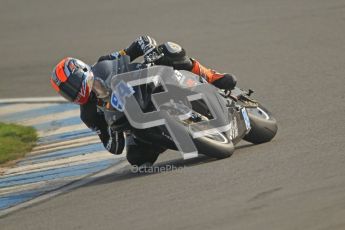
{"x": 74, "y": 80}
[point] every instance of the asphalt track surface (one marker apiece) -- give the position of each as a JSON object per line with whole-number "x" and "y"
{"x": 290, "y": 52}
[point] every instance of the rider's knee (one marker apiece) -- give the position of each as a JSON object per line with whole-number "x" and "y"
{"x": 175, "y": 56}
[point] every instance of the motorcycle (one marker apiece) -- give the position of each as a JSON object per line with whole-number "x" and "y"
{"x": 170, "y": 109}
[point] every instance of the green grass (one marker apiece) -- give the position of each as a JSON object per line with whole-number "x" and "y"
{"x": 15, "y": 141}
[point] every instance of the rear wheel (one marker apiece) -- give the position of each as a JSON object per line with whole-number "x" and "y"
{"x": 263, "y": 125}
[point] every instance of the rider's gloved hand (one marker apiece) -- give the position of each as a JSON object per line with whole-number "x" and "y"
{"x": 149, "y": 48}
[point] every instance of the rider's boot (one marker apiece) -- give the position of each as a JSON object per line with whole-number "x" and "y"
{"x": 222, "y": 81}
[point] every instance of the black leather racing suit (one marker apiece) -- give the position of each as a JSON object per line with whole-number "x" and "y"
{"x": 173, "y": 55}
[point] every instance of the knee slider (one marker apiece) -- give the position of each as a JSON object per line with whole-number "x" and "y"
{"x": 175, "y": 56}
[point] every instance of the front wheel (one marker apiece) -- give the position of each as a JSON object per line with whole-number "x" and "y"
{"x": 214, "y": 144}
{"x": 263, "y": 125}
{"x": 213, "y": 147}
{"x": 217, "y": 145}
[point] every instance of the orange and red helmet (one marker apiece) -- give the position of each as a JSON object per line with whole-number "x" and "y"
{"x": 73, "y": 79}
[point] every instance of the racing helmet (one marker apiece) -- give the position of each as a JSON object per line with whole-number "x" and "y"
{"x": 72, "y": 79}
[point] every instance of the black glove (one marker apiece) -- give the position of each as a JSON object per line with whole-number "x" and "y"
{"x": 149, "y": 48}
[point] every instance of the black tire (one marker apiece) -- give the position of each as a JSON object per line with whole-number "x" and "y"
{"x": 204, "y": 145}
{"x": 214, "y": 148}
{"x": 263, "y": 125}
{"x": 210, "y": 147}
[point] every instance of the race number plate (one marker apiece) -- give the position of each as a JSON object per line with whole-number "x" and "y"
{"x": 246, "y": 118}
